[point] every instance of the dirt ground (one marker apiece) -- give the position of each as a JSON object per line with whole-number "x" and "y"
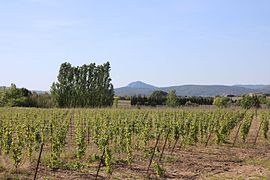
{"x": 214, "y": 162}
{"x": 242, "y": 161}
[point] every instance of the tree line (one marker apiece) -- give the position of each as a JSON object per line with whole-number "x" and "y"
{"x": 22, "y": 97}
{"x": 247, "y": 101}
{"x": 161, "y": 98}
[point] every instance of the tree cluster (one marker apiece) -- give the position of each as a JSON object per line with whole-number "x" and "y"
{"x": 161, "y": 98}
{"x": 22, "y": 97}
{"x": 157, "y": 98}
{"x": 199, "y": 100}
{"x": 222, "y": 101}
{"x": 249, "y": 101}
{"x": 83, "y": 86}
{"x": 13, "y": 96}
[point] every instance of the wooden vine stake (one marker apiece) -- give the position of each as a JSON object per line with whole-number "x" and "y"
{"x": 242, "y": 117}
{"x": 38, "y": 162}
{"x": 258, "y": 131}
{"x": 153, "y": 154}
{"x": 174, "y": 145}
{"x": 99, "y": 166}
{"x": 163, "y": 148}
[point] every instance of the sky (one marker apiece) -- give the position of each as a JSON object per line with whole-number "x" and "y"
{"x": 164, "y": 43}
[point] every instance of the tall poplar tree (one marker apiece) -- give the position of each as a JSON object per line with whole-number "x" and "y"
{"x": 83, "y": 86}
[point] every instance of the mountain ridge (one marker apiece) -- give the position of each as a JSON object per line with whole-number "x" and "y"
{"x": 138, "y": 87}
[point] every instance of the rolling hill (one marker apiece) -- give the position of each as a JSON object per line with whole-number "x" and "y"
{"x": 142, "y": 88}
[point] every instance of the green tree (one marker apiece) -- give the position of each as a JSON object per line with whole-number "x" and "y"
{"x": 172, "y": 99}
{"x": 83, "y": 86}
{"x": 222, "y": 101}
{"x": 14, "y": 96}
{"x": 158, "y": 98}
{"x": 249, "y": 101}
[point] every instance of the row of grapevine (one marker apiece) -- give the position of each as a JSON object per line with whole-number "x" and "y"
{"x": 118, "y": 134}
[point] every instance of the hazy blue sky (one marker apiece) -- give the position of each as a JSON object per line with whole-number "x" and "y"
{"x": 162, "y": 42}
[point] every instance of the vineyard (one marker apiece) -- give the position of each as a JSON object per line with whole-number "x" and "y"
{"x": 185, "y": 143}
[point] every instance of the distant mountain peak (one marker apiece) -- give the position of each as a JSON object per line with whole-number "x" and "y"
{"x": 141, "y": 85}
